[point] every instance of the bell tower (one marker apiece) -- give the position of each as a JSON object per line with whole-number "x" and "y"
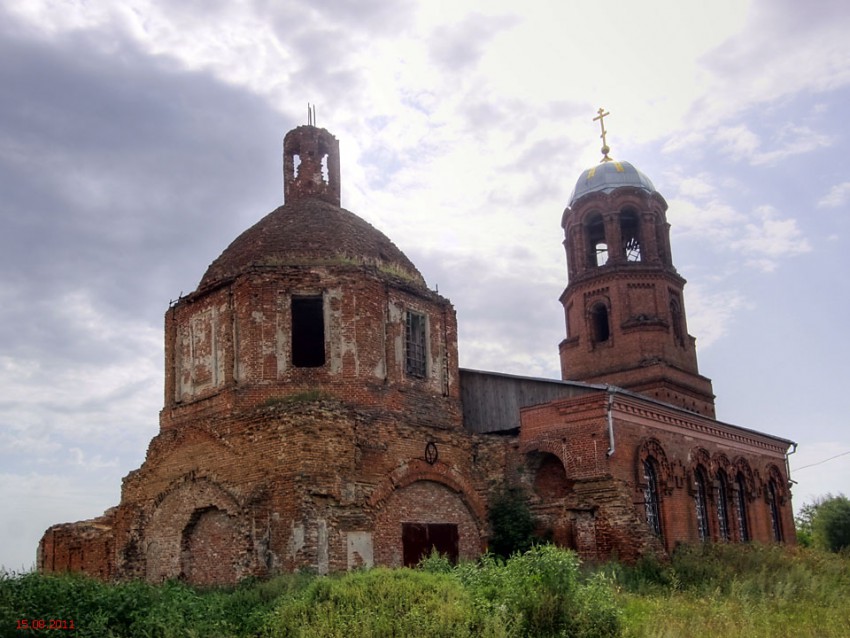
{"x": 624, "y": 302}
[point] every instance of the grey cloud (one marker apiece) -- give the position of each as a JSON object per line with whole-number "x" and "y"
{"x": 458, "y": 47}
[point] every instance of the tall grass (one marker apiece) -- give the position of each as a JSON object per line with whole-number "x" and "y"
{"x": 136, "y": 609}
{"x": 538, "y": 594}
{"x": 737, "y": 590}
{"x": 729, "y": 590}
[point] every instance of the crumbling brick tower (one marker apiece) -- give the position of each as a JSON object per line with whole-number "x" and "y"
{"x": 311, "y": 414}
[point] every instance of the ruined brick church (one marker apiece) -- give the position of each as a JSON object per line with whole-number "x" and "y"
{"x": 315, "y": 416}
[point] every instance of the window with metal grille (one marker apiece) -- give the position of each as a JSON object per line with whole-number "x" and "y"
{"x": 773, "y": 504}
{"x": 308, "y": 332}
{"x": 722, "y": 505}
{"x": 650, "y": 497}
{"x": 741, "y": 509}
{"x": 415, "y": 345}
{"x": 701, "y": 506}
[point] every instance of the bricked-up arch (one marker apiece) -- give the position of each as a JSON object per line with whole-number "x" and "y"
{"x": 421, "y": 506}
{"x": 418, "y": 470}
{"x": 599, "y": 318}
{"x": 211, "y": 548}
{"x": 550, "y": 476}
{"x": 176, "y": 512}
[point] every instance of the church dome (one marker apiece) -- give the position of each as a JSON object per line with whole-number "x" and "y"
{"x": 608, "y": 176}
{"x": 310, "y": 232}
{"x": 311, "y": 229}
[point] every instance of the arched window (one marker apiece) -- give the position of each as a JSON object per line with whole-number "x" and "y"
{"x": 599, "y": 323}
{"x": 722, "y": 505}
{"x": 700, "y": 501}
{"x": 650, "y": 496}
{"x": 773, "y": 504}
{"x": 676, "y": 321}
{"x": 741, "y": 508}
{"x": 630, "y": 233}
{"x": 598, "y": 245}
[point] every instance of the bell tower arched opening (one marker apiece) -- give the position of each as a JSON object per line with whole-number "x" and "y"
{"x": 617, "y": 239}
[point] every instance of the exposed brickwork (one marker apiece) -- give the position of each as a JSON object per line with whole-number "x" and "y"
{"x": 611, "y": 486}
{"x": 263, "y": 466}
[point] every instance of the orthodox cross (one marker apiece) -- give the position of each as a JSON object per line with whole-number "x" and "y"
{"x": 605, "y": 148}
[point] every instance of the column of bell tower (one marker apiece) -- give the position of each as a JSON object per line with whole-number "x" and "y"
{"x": 624, "y": 302}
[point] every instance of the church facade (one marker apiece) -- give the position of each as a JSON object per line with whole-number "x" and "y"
{"x": 315, "y": 416}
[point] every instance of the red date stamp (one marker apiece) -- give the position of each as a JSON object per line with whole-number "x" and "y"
{"x": 40, "y": 624}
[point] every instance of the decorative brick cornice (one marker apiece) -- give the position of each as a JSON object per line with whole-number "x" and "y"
{"x": 659, "y": 416}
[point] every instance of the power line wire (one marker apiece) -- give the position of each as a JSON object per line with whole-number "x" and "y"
{"x": 821, "y": 462}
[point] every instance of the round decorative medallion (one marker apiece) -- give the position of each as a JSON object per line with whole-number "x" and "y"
{"x": 431, "y": 454}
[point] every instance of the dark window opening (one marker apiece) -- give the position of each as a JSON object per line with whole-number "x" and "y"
{"x": 308, "y": 332}
{"x": 741, "y": 509}
{"x": 415, "y": 361}
{"x": 598, "y": 244}
{"x": 773, "y": 503}
{"x": 630, "y": 233}
{"x": 700, "y": 502}
{"x": 722, "y": 506}
{"x": 600, "y": 325}
{"x": 650, "y": 497}
{"x": 419, "y": 539}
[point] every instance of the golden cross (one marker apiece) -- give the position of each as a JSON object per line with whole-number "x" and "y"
{"x": 605, "y": 149}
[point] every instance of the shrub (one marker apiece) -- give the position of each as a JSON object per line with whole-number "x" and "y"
{"x": 511, "y": 522}
{"x": 379, "y": 602}
{"x": 539, "y": 593}
{"x": 831, "y": 523}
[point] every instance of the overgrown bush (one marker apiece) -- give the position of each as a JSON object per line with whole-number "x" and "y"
{"x": 379, "y": 602}
{"x": 831, "y": 523}
{"x": 135, "y": 609}
{"x": 511, "y": 522}
{"x": 536, "y": 594}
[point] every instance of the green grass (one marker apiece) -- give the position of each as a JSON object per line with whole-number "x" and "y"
{"x": 730, "y": 590}
{"x": 737, "y": 591}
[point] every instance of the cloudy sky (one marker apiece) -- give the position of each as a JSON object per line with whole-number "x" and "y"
{"x": 137, "y": 139}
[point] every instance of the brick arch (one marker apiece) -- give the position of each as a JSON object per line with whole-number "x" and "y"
{"x": 174, "y": 510}
{"x": 698, "y": 457}
{"x": 418, "y": 470}
{"x": 742, "y": 466}
{"x": 772, "y": 472}
{"x": 721, "y": 463}
{"x": 211, "y": 545}
{"x": 165, "y": 446}
{"x": 651, "y": 447}
{"x": 550, "y": 475}
{"x": 557, "y": 448}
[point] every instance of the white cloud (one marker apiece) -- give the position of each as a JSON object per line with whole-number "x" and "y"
{"x": 711, "y": 313}
{"x": 767, "y": 238}
{"x": 836, "y": 196}
{"x": 741, "y": 143}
